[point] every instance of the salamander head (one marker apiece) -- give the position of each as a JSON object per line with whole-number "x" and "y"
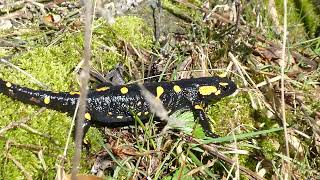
{"x": 215, "y": 88}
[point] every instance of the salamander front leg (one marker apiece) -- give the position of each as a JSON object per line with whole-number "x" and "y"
{"x": 204, "y": 122}
{"x": 85, "y": 143}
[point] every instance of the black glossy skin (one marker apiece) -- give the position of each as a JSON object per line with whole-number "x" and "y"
{"x": 109, "y": 106}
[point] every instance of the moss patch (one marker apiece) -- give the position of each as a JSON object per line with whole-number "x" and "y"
{"x": 54, "y": 67}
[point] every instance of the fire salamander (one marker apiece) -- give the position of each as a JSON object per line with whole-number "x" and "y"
{"x": 112, "y": 106}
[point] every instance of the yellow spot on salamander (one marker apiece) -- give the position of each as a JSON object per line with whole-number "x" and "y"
{"x": 223, "y": 84}
{"x": 87, "y": 116}
{"x": 74, "y": 92}
{"x": 160, "y": 91}
{"x": 146, "y": 113}
{"x": 86, "y": 141}
{"x": 8, "y": 84}
{"x": 124, "y": 90}
{"x": 207, "y": 90}
{"x": 110, "y": 113}
{"x": 176, "y": 88}
{"x": 222, "y": 75}
{"x": 139, "y": 113}
{"x": 217, "y": 93}
{"x": 102, "y": 89}
{"x": 46, "y": 100}
{"x": 198, "y": 107}
{"x": 139, "y": 103}
{"x": 119, "y": 117}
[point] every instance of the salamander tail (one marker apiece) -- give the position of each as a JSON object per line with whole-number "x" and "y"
{"x": 63, "y": 101}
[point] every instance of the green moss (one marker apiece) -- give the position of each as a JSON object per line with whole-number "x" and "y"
{"x": 223, "y": 113}
{"x": 297, "y": 33}
{"x": 54, "y": 65}
{"x": 178, "y": 9}
{"x": 294, "y": 19}
{"x": 310, "y": 19}
{"x": 269, "y": 146}
{"x": 130, "y": 29}
{"x": 107, "y": 38}
{"x": 134, "y": 30}
{"x": 3, "y": 52}
{"x": 51, "y": 65}
{"x": 238, "y": 110}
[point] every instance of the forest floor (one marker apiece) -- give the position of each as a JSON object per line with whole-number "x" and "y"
{"x": 277, "y": 74}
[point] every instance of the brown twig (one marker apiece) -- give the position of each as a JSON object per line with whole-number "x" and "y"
{"x": 34, "y": 131}
{"x": 31, "y": 147}
{"x": 84, "y": 78}
{"x": 286, "y": 165}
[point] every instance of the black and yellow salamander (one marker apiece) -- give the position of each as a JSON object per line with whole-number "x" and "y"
{"x": 112, "y": 106}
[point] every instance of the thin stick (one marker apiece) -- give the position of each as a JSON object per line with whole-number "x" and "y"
{"x": 84, "y": 79}
{"x": 283, "y": 64}
{"x": 283, "y": 110}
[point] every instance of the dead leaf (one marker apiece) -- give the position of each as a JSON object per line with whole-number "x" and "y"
{"x": 51, "y": 20}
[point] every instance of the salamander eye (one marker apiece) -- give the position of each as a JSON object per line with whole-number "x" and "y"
{"x": 227, "y": 88}
{"x": 223, "y": 85}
